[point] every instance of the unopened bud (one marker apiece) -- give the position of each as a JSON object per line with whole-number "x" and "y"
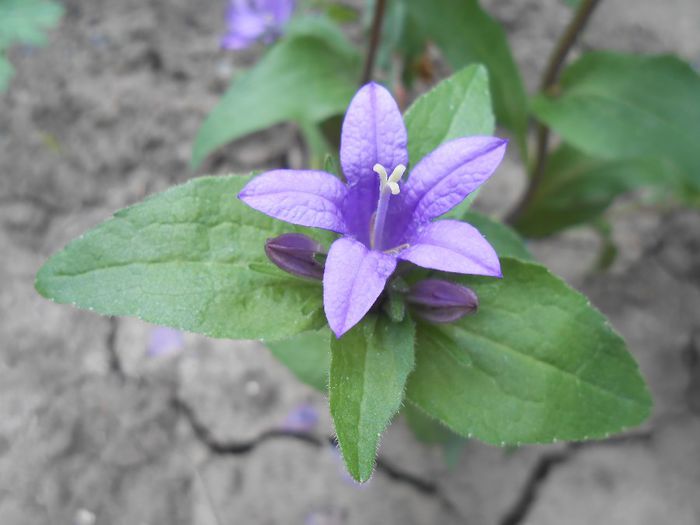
{"x": 295, "y": 253}
{"x": 440, "y": 301}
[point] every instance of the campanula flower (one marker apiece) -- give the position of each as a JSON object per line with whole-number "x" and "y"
{"x": 381, "y": 218}
{"x": 251, "y": 20}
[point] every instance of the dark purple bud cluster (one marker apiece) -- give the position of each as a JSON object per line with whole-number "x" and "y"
{"x": 441, "y": 301}
{"x": 296, "y": 253}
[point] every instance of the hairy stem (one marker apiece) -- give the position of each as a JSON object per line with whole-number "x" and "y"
{"x": 550, "y": 78}
{"x": 375, "y": 36}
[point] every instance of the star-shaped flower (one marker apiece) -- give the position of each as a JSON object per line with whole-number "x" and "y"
{"x": 251, "y": 20}
{"x": 383, "y": 220}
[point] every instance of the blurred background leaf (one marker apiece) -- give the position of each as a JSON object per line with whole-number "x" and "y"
{"x": 307, "y": 77}
{"x": 24, "y": 22}
{"x": 307, "y": 355}
{"x": 470, "y": 35}
{"x": 618, "y": 106}
{"x": 577, "y": 188}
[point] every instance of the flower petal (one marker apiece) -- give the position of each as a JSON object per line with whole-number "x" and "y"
{"x": 353, "y": 279}
{"x": 307, "y": 198}
{"x": 373, "y": 132}
{"x": 281, "y": 10}
{"x": 445, "y": 177}
{"x": 453, "y": 246}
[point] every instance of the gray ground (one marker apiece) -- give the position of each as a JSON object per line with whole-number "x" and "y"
{"x": 94, "y": 431}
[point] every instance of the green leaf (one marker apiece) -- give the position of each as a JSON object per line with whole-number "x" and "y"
{"x": 536, "y": 364}
{"x": 459, "y": 106}
{"x": 505, "y": 241}
{"x": 342, "y": 13}
{"x": 192, "y": 258}
{"x": 307, "y": 355}
{"x": 25, "y": 21}
{"x": 324, "y": 29}
{"x": 466, "y": 34}
{"x": 306, "y": 77}
{"x": 369, "y": 366}
{"x": 618, "y": 106}
{"x": 576, "y": 188}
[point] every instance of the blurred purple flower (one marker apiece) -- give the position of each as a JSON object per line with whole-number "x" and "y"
{"x": 164, "y": 341}
{"x": 325, "y": 517}
{"x": 251, "y": 20}
{"x": 303, "y": 418}
{"x": 377, "y": 230}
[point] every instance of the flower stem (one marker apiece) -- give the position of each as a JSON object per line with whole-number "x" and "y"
{"x": 550, "y": 79}
{"x": 375, "y": 35}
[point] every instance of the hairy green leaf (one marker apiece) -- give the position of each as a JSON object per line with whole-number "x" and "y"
{"x": 369, "y": 366}
{"x": 576, "y": 188}
{"x": 618, "y": 106}
{"x": 459, "y": 106}
{"x": 466, "y": 34}
{"x": 536, "y": 364}
{"x": 307, "y": 77}
{"x": 192, "y": 258}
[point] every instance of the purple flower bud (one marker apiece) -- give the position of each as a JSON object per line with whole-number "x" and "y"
{"x": 440, "y": 301}
{"x": 295, "y": 253}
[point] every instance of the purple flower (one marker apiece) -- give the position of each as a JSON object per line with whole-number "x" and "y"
{"x": 250, "y": 20}
{"x": 381, "y": 219}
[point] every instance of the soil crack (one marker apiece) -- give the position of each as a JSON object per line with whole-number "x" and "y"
{"x": 218, "y": 447}
{"x": 548, "y": 463}
{"x": 113, "y": 360}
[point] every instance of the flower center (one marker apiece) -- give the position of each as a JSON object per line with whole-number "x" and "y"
{"x": 388, "y": 185}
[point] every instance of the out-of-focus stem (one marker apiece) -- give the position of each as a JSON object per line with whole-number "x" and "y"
{"x": 374, "y": 38}
{"x": 550, "y": 78}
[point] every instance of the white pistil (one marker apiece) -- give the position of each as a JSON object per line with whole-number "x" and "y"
{"x": 390, "y": 181}
{"x": 388, "y": 184}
